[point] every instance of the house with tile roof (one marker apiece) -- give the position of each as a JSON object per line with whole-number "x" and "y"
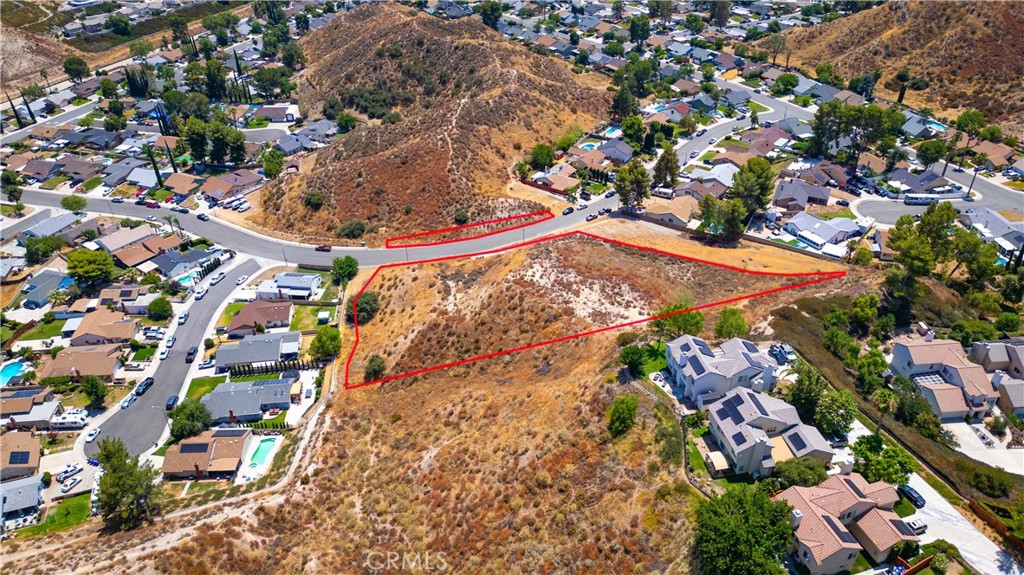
{"x": 756, "y": 431}
{"x": 104, "y": 326}
{"x": 19, "y": 455}
{"x": 216, "y": 452}
{"x": 834, "y": 520}
{"x": 265, "y": 313}
{"x": 701, "y": 376}
{"x": 954, "y": 386}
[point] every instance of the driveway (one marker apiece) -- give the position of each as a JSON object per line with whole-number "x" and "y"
{"x": 971, "y": 445}
{"x": 945, "y": 522}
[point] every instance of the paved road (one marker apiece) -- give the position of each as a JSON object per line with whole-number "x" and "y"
{"x": 140, "y": 425}
{"x": 70, "y": 117}
{"x": 10, "y": 227}
{"x": 261, "y": 246}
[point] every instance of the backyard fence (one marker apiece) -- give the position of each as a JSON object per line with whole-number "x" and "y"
{"x": 276, "y": 367}
{"x": 994, "y": 522}
{"x": 18, "y": 333}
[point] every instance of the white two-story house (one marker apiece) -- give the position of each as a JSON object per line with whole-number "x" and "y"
{"x": 700, "y": 375}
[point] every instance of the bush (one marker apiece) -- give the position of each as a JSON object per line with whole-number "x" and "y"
{"x": 862, "y": 256}
{"x": 627, "y": 337}
{"x": 633, "y": 358}
{"x": 351, "y": 230}
{"x": 208, "y": 343}
{"x": 991, "y": 482}
{"x": 1008, "y": 322}
{"x": 461, "y": 217}
{"x": 367, "y": 308}
{"x": 623, "y": 415}
{"x": 159, "y": 309}
{"x": 374, "y": 368}
{"x": 47, "y": 479}
{"x": 313, "y": 199}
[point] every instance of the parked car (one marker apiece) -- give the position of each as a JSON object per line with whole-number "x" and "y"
{"x": 567, "y": 211}
{"x": 694, "y": 154}
{"x": 143, "y": 386}
{"x": 69, "y": 485}
{"x": 917, "y": 526}
{"x": 912, "y": 495}
{"x": 203, "y": 217}
{"x": 610, "y": 193}
{"x": 163, "y": 353}
{"x": 128, "y": 401}
{"x": 711, "y": 141}
{"x": 172, "y": 401}
{"x": 70, "y": 470}
{"x": 323, "y": 248}
{"x": 591, "y": 217}
{"x": 206, "y": 364}
{"x": 183, "y": 317}
{"x": 241, "y": 280}
{"x": 150, "y": 218}
{"x": 201, "y": 292}
{"x": 170, "y": 342}
{"x": 91, "y": 436}
{"x": 190, "y": 355}
{"x": 117, "y": 200}
{"x": 585, "y": 196}
{"x": 842, "y": 203}
{"x": 217, "y": 278}
{"x": 582, "y": 207}
{"x": 701, "y": 132}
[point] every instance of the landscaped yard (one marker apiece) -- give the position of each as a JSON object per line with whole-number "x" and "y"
{"x": 229, "y": 312}
{"x": 844, "y": 213}
{"x": 44, "y": 330}
{"x": 755, "y": 107}
{"x": 53, "y": 182}
{"x": 904, "y": 508}
{"x": 862, "y": 563}
{"x": 200, "y": 386}
{"x": 707, "y": 156}
{"x": 695, "y": 459}
{"x": 91, "y": 183}
{"x": 144, "y": 354}
{"x": 160, "y": 194}
{"x": 654, "y": 358}
{"x": 304, "y": 317}
{"x": 64, "y": 515}
{"x": 258, "y": 123}
{"x": 257, "y": 377}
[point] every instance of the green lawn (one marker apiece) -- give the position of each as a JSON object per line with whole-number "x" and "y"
{"x": 755, "y": 107}
{"x": 160, "y": 194}
{"x": 91, "y": 183}
{"x": 144, "y": 354}
{"x": 53, "y": 182}
{"x": 258, "y": 377}
{"x": 5, "y": 333}
{"x": 1017, "y": 185}
{"x": 793, "y": 243}
{"x": 862, "y": 563}
{"x": 904, "y": 508}
{"x": 64, "y": 515}
{"x": 654, "y": 358}
{"x": 230, "y": 311}
{"x": 276, "y": 421}
{"x": 258, "y": 123}
{"x": 847, "y": 213}
{"x": 200, "y": 386}
{"x": 695, "y": 459}
{"x": 44, "y": 330}
{"x": 596, "y": 188}
{"x": 304, "y": 317}
{"x": 163, "y": 449}
{"x": 79, "y": 101}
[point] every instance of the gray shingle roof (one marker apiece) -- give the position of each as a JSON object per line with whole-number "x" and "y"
{"x": 24, "y": 493}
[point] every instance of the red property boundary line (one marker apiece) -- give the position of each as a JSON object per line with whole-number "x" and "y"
{"x": 391, "y": 242}
{"x": 814, "y": 278}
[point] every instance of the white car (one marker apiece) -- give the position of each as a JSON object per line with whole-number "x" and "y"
{"x": 70, "y": 484}
{"x": 183, "y": 318}
{"x": 170, "y": 342}
{"x": 216, "y": 279}
{"x": 201, "y": 292}
{"x": 163, "y": 353}
{"x": 581, "y": 207}
{"x": 150, "y": 218}
{"x": 128, "y": 401}
{"x": 694, "y": 154}
{"x": 91, "y": 436}
{"x": 241, "y": 280}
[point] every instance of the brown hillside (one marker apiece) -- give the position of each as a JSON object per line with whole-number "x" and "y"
{"x": 969, "y": 51}
{"x": 471, "y": 103}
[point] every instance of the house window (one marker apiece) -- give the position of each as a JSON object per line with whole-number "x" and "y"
{"x": 739, "y": 469}
{"x": 805, "y": 555}
{"x": 852, "y": 555}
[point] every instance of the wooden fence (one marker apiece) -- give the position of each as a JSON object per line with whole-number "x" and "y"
{"x": 18, "y": 333}
{"x": 996, "y": 524}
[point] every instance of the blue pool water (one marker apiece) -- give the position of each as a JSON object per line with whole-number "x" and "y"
{"x": 10, "y": 370}
{"x": 588, "y": 146}
{"x": 1001, "y": 261}
{"x": 189, "y": 279}
{"x": 937, "y": 126}
{"x": 612, "y": 132}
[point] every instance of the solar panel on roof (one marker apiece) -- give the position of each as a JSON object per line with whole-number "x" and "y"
{"x": 902, "y": 527}
{"x": 757, "y": 404}
{"x": 797, "y": 441}
{"x": 126, "y": 293}
{"x": 738, "y": 438}
{"x": 18, "y": 458}
{"x": 853, "y": 487}
{"x": 844, "y": 535}
{"x": 195, "y": 447}
{"x": 698, "y": 368}
{"x": 750, "y": 347}
{"x": 22, "y": 393}
{"x": 229, "y": 432}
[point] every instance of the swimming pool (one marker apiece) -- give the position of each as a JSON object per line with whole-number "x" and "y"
{"x": 189, "y": 279}
{"x": 612, "y": 132}
{"x": 259, "y": 457}
{"x": 588, "y": 146}
{"x": 937, "y": 126}
{"x": 10, "y": 370}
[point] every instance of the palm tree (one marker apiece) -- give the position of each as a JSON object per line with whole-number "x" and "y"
{"x": 170, "y": 222}
{"x": 46, "y": 79}
{"x": 895, "y": 156}
{"x": 130, "y": 276}
{"x": 886, "y": 402}
{"x": 177, "y": 222}
{"x": 980, "y": 159}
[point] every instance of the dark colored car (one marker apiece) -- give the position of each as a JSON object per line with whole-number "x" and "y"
{"x": 842, "y": 203}
{"x": 323, "y": 248}
{"x": 144, "y": 386}
{"x": 912, "y": 495}
{"x": 854, "y": 192}
{"x": 585, "y": 196}
{"x": 567, "y": 211}
{"x": 610, "y": 193}
{"x": 190, "y": 355}
{"x": 171, "y": 402}
{"x": 117, "y": 200}
{"x": 203, "y": 217}
{"x": 140, "y": 202}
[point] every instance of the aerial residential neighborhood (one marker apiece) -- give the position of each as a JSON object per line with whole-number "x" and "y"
{"x": 720, "y": 287}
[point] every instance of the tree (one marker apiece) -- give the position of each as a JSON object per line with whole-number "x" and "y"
{"x": 666, "y": 169}
{"x": 140, "y": 48}
{"x": 542, "y": 156}
{"x": 835, "y": 413}
{"x": 623, "y": 105}
{"x": 326, "y": 344}
{"x": 108, "y": 89}
{"x": 618, "y": 9}
{"x": 195, "y": 138}
{"x": 806, "y": 391}
{"x": 931, "y": 152}
{"x": 38, "y": 250}
{"x": 268, "y": 82}
{"x": 633, "y": 358}
{"x": 127, "y": 488}
{"x": 784, "y": 84}
{"x": 490, "y": 13}
{"x": 188, "y": 418}
{"x": 375, "y": 368}
{"x": 694, "y": 23}
{"x": 864, "y": 312}
{"x": 991, "y": 134}
{"x": 775, "y": 44}
{"x": 742, "y": 532}
{"x": 114, "y": 123}
{"x": 73, "y": 203}
{"x": 802, "y": 471}
{"x": 115, "y": 108}
{"x": 720, "y": 12}
{"x": 273, "y": 164}
{"x": 1008, "y": 322}
{"x": 302, "y": 22}
{"x": 292, "y": 56}
{"x": 639, "y": 29}
{"x": 633, "y": 131}
{"x": 159, "y": 309}
{"x": 95, "y": 391}
{"x": 366, "y": 308}
{"x": 876, "y": 462}
{"x": 236, "y": 147}
{"x": 179, "y": 28}
{"x": 672, "y": 324}
{"x": 622, "y": 416}
{"x": 633, "y": 184}
{"x": 346, "y": 123}
{"x": 120, "y": 25}
{"x": 216, "y": 76}
{"x": 731, "y": 324}
{"x": 89, "y": 267}
{"x": 344, "y": 269}
{"x": 76, "y": 68}
{"x": 886, "y": 402}
{"x": 752, "y": 184}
